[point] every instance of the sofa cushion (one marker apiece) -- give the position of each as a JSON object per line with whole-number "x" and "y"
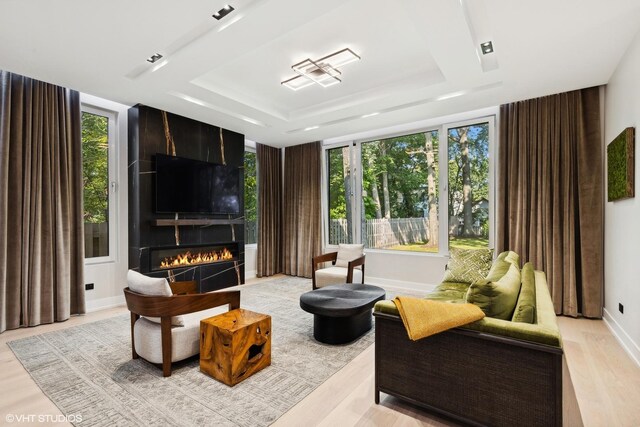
{"x": 497, "y": 298}
{"x": 449, "y": 291}
{"x": 335, "y": 276}
{"x": 498, "y": 269}
{"x": 525, "y": 311}
{"x": 348, "y": 252}
{"x": 468, "y": 265}
{"x": 151, "y": 286}
{"x": 185, "y": 341}
{"x": 510, "y": 257}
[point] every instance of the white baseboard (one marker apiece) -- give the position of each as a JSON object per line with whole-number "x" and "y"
{"x": 630, "y": 346}
{"x": 103, "y": 303}
{"x": 400, "y": 284}
{"x": 251, "y": 274}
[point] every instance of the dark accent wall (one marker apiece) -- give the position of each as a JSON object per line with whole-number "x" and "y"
{"x": 153, "y": 131}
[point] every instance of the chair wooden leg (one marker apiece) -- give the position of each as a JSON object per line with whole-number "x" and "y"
{"x": 134, "y": 319}
{"x": 165, "y": 331}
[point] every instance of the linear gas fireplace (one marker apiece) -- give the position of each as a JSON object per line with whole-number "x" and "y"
{"x": 185, "y": 256}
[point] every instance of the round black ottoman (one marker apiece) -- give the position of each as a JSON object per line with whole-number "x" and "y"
{"x": 341, "y": 313}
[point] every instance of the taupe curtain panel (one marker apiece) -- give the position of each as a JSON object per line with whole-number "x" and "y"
{"x": 301, "y": 226}
{"x": 41, "y": 225}
{"x": 550, "y": 194}
{"x": 269, "y": 254}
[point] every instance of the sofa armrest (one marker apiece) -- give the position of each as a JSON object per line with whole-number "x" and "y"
{"x": 186, "y": 287}
{"x": 160, "y": 306}
{"x": 522, "y": 331}
{"x": 317, "y": 260}
{"x": 541, "y": 334}
{"x": 353, "y": 264}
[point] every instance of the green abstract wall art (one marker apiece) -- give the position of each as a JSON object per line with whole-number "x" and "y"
{"x": 620, "y": 166}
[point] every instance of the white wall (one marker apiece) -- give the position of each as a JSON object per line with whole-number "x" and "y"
{"x": 622, "y": 218}
{"x": 250, "y": 261}
{"x": 109, "y": 278}
{"x": 404, "y": 269}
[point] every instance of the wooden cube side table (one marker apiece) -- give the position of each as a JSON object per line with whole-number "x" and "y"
{"x": 234, "y": 345}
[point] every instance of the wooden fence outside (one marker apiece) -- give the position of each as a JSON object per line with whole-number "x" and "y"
{"x": 250, "y": 232}
{"x": 383, "y": 233}
{"x": 96, "y": 239}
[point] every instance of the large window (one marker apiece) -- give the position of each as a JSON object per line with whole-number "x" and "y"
{"x": 468, "y": 185}
{"x": 97, "y": 130}
{"x": 386, "y": 193}
{"x": 250, "y": 197}
{"x": 340, "y": 196}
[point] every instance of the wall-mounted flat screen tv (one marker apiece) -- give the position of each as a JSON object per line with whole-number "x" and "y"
{"x": 193, "y": 186}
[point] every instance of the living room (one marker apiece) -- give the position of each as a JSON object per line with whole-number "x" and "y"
{"x": 416, "y": 129}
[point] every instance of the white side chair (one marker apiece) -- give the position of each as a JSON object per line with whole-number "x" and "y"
{"x": 347, "y": 266}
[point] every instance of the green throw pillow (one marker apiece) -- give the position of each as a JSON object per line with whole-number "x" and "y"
{"x": 468, "y": 265}
{"x": 525, "y": 311}
{"x": 509, "y": 256}
{"x": 497, "y": 298}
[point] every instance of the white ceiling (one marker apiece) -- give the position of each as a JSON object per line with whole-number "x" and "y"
{"x": 419, "y": 57}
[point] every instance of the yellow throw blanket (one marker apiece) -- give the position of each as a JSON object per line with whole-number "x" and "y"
{"x": 423, "y": 317}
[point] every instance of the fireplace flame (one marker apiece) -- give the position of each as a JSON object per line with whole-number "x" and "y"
{"x": 189, "y": 258}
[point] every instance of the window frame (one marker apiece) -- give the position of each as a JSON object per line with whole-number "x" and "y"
{"x": 251, "y": 149}
{"x": 112, "y": 164}
{"x": 492, "y": 157}
{"x": 355, "y": 194}
{"x": 355, "y": 150}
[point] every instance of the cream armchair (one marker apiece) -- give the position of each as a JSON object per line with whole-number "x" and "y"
{"x": 347, "y": 266}
{"x": 165, "y": 318}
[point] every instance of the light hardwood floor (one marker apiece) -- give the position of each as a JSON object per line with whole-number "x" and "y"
{"x": 605, "y": 379}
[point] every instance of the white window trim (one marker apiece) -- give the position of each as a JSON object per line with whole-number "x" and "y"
{"x": 113, "y": 155}
{"x": 443, "y": 181}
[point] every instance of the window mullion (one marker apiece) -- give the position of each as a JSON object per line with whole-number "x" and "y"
{"x": 443, "y": 202}
{"x": 356, "y": 192}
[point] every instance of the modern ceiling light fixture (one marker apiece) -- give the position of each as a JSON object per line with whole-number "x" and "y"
{"x": 227, "y": 9}
{"x": 323, "y": 71}
{"x": 487, "y": 47}
{"x": 154, "y": 58}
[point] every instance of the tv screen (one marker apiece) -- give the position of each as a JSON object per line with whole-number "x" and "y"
{"x": 193, "y": 186}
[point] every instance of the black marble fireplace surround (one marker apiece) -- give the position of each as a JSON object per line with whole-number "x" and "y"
{"x": 152, "y": 235}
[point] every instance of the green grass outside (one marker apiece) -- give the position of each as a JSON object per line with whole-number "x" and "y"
{"x": 469, "y": 243}
{"x": 462, "y": 243}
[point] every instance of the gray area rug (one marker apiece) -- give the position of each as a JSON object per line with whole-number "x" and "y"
{"x": 87, "y": 370}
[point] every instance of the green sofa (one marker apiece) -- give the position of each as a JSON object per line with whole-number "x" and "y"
{"x": 496, "y": 371}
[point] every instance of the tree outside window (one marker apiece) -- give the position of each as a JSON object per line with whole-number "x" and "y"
{"x": 250, "y": 197}
{"x": 469, "y": 186}
{"x": 400, "y": 185}
{"x": 95, "y": 177}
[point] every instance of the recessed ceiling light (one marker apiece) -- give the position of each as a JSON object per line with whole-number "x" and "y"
{"x": 311, "y": 128}
{"x": 227, "y": 9}
{"x": 487, "y": 47}
{"x": 154, "y": 58}
{"x": 159, "y": 65}
{"x": 451, "y": 95}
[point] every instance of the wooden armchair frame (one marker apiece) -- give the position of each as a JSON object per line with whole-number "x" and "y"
{"x": 175, "y": 305}
{"x": 333, "y": 256}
